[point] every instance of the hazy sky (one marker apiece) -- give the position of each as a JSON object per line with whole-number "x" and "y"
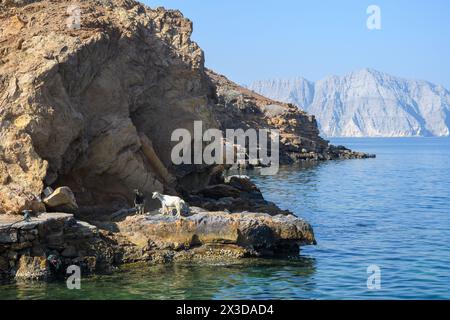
{"x": 249, "y": 40}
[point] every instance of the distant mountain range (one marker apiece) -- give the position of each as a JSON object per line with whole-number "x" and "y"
{"x": 367, "y": 103}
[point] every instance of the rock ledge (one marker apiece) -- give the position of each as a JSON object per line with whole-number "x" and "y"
{"x": 242, "y": 234}
{"x": 44, "y": 247}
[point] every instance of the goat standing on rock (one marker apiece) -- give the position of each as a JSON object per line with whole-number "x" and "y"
{"x": 139, "y": 202}
{"x": 170, "y": 202}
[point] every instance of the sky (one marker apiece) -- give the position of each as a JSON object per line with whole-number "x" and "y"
{"x": 248, "y": 40}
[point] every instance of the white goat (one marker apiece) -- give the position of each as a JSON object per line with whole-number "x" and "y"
{"x": 170, "y": 202}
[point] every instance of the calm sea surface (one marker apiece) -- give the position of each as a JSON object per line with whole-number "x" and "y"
{"x": 392, "y": 212}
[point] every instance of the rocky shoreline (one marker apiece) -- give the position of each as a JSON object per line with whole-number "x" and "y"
{"x": 45, "y": 247}
{"x": 38, "y": 249}
{"x": 88, "y": 111}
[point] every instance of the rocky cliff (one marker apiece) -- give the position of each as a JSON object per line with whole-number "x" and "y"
{"x": 79, "y": 107}
{"x": 89, "y": 110}
{"x": 237, "y": 107}
{"x": 367, "y": 103}
{"x": 93, "y": 106}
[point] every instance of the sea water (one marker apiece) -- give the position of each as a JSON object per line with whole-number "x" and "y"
{"x": 391, "y": 213}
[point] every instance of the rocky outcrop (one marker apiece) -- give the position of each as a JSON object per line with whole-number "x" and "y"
{"x": 234, "y": 194}
{"x": 75, "y": 104}
{"x": 217, "y": 235}
{"x": 93, "y": 108}
{"x": 238, "y": 107}
{"x": 46, "y": 246}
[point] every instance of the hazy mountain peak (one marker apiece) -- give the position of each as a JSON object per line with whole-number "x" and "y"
{"x": 370, "y": 71}
{"x": 367, "y": 102}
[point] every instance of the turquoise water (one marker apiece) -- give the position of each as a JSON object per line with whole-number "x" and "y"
{"x": 392, "y": 211}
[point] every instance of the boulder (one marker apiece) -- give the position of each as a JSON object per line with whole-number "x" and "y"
{"x": 7, "y": 236}
{"x": 62, "y": 199}
{"x": 238, "y": 194}
{"x": 219, "y": 191}
{"x": 243, "y": 184}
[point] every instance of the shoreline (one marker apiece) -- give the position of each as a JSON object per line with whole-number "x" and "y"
{"x": 81, "y": 142}
{"x": 203, "y": 236}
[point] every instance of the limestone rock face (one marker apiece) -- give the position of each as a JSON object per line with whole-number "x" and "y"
{"x": 74, "y": 102}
